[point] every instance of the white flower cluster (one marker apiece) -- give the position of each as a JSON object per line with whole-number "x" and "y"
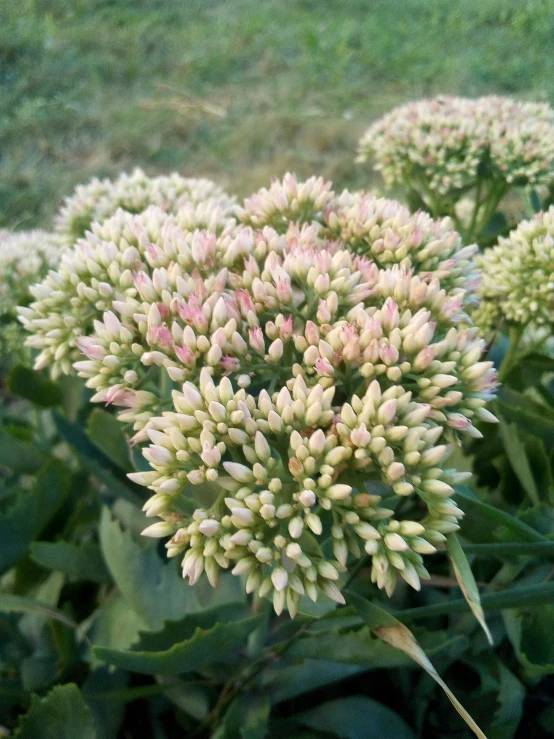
{"x": 25, "y": 258}
{"x": 100, "y": 199}
{"x": 288, "y": 374}
{"x": 443, "y": 145}
{"x": 518, "y": 276}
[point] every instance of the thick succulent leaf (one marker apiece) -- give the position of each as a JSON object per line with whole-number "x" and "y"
{"x": 96, "y": 462}
{"x": 177, "y": 631}
{"x": 153, "y": 587}
{"x": 33, "y": 386}
{"x": 220, "y": 644}
{"x": 81, "y": 562}
{"x": 31, "y": 512}
{"x": 62, "y": 714}
{"x": 106, "y": 432}
{"x": 530, "y": 632}
{"x": 356, "y": 717}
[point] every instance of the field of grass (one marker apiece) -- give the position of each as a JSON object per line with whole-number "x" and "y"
{"x": 239, "y": 90}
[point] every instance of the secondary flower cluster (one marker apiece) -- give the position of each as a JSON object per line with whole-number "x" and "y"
{"x": 289, "y": 372}
{"x": 134, "y": 192}
{"x": 25, "y": 258}
{"x": 443, "y": 147}
{"x": 518, "y": 276}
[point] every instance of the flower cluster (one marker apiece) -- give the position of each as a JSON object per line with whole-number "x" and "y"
{"x": 101, "y": 269}
{"x": 290, "y": 372}
{"x": 100, "y": 199}
{"x": 518, "y": 276}
{"x": 25, "y": 258}
{"x": 445, "y": 146}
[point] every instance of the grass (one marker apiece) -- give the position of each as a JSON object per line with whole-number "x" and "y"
{"x": 239, "y": 90}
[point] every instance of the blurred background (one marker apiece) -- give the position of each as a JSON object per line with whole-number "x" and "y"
{"x": 239, "y": 91}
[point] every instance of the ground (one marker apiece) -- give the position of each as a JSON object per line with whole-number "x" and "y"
{"x": 241, "y": 90}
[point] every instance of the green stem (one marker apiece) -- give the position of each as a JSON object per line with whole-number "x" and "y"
{"x": 476, "y": 208}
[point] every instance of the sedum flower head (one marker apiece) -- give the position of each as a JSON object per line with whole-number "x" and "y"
{"x": 100, "y": 199}
{"x": 447, "y": 142}
{"x": 287, "y": 377}
{"x": 518, "y": 276}
{"x": 25, "y": 258}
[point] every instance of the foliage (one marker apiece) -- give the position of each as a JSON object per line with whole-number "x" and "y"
{"x": 99, "y": 635}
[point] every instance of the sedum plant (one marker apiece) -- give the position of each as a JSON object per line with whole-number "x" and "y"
{"x": 462, "y": 156}
{"x": 295, "y": 383}
{"x": 25, "y": 258}
{"x": 100, "y": 199}
{"x": 291, "y": 371}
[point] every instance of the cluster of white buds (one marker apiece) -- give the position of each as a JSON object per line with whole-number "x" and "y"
{"x": 287, "y": 201}
{"x": 286, "y": 376}
{"x": 100, "y": 199}
{"x": 104, "y": 267}
{"x": 518, "y": 277}
{"x": 444, "y": 146}
{"x": 25, "y": 258}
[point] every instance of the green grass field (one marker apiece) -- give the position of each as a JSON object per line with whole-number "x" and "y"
{"x": 241, "y": 90}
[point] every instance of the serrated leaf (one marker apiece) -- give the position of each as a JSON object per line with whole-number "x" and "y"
{"x": 177, "y": 631}
{"x": 115, "y": 626}
{"x": 466, "y": 581}
{"x": 153, "y": 587}
{"x": 106, "y": 432}
{"x": 31, "y": 512}
{"x": 530, "y": 633}
{"x": 356, "y": 717}
{"x": 62, "y": 714}
{"x": 33, "y": 386}
{"x": 81, "y": 562}
{"x": 394, "y": 633}
{"x": 217, "y": 645}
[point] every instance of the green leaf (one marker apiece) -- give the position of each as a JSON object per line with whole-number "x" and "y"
{"x": 515, "y": 449}
{"x": 20, "y": 456}
{"x": 96, "y": 462}
{"x": 81, "y": 562}
{"x": 31, "y": 385}
{"x": 466, "y": 581}
{"x": 153, "y": 587}
{"x": 106, "y": 432}
{"x": 220, "y": 644}
{"x": 247, "y": 717}
{"x": 394, "y": 633}
{"x": 530, "y": 633}
{"x": 528, "y": 415}
{"x": 356, "y": 717}
{"x": 511, "y": 696}
{"x": 31, "y": 512}
{"x": 177, "y": 631}
{"x": 517, "y": 527}
{"x": 22, "y": 604}
{"x": 62, "y": 714}
{"x": 353, "y": 648}
{"x": 286, "y": 682}
{"x": 115, "y": 625}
